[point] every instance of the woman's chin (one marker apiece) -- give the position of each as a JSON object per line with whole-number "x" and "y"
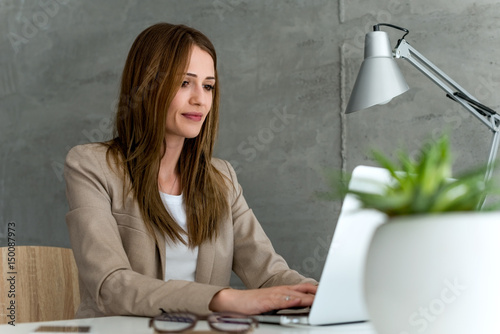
{"x": 192, "y": 135}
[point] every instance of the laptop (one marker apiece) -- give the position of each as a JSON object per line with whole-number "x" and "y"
{"x": 340, "y": 297}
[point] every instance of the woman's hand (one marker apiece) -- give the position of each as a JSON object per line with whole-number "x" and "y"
{"x": 258, "y": 301}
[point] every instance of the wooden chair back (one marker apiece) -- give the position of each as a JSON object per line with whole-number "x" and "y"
{"x": 38, "y": 284}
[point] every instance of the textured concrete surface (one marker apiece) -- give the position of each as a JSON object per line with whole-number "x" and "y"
{"x": 286, "y": 70}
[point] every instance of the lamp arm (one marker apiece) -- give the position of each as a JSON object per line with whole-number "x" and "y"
{"x": 486, "y": 115}
{"x": 407, "y": 52}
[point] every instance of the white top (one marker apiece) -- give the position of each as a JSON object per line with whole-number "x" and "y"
{"x": 180, "y": 260}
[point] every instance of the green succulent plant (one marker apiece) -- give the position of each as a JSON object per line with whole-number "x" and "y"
{"x": 425, "y": 185}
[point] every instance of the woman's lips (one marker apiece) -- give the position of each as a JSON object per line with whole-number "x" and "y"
{"x": 194, "y": 116}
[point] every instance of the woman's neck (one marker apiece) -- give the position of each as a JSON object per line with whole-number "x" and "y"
{"x": 168, "y": 176}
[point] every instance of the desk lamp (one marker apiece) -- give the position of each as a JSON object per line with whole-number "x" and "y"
{"x": 379, "y": 80}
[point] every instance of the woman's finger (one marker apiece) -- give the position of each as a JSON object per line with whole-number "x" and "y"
{"x": 305, "y": 288}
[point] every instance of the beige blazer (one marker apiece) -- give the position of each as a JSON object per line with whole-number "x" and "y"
{"x": 121, "y": 270}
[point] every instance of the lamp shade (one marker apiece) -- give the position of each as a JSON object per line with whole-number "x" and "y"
{"x": 379, "y": 78}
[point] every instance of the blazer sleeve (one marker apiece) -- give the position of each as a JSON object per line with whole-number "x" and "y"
{"x": 104, "y": 269}
{"x": 255, "y": 260}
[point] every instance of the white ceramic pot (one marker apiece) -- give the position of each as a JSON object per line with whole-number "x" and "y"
{"x": 435, "y": 274}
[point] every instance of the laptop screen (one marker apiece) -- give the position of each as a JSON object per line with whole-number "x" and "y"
{"x": 340, "y": 295}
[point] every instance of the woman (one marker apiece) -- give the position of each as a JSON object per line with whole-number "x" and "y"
{"x": 155, "y": 221}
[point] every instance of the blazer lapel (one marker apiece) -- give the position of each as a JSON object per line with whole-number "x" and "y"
{"x": 205, "y": 263}
{"x": 161, "y": 245}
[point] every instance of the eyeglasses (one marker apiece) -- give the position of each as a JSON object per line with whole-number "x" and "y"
{"x": 227, "y": 322}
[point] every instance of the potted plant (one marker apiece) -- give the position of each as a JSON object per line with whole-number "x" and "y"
{"x": 434, "y": 265}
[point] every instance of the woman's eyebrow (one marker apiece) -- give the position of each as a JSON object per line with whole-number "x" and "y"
{"x": 195, "y": 76}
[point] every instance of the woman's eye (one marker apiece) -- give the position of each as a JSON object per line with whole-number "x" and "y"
{"x": 184, "y": 83}
{"x": 209, "y": 87}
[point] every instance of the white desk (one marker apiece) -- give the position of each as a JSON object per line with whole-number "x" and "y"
{"x": 139, "y": 325}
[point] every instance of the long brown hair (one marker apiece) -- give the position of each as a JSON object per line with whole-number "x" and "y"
{"x": 152, "y": 75}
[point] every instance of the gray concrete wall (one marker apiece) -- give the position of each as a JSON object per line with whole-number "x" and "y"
{"x": 286, "y": 70}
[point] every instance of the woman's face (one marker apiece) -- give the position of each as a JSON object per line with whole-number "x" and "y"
{"x": 193, "y": 101}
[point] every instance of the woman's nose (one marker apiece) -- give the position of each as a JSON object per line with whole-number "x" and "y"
{"x": 199, "y": 96}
